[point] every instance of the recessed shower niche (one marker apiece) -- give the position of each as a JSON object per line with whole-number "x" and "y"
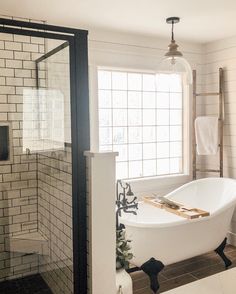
{"x": 5, "y": 143}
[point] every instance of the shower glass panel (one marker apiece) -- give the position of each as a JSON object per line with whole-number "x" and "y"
{"x": 54, "y": 166}
{"x": 36, "y": 238}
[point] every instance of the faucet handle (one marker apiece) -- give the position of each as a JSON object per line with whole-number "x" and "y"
{"x": 131, "y": 202}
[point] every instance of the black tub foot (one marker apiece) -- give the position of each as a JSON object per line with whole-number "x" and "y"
{"x": 220, "y": 251}
{"x": 152, "y": 267}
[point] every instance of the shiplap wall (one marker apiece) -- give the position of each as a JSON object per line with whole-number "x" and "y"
{"x": 129, "y": 51}
{"x": 223, "y": 54}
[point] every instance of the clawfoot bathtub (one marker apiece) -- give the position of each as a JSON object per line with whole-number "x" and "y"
{"x": 163, "y": 236}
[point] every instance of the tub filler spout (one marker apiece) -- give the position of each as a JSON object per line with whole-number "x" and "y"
{"x": 123, "y": 201}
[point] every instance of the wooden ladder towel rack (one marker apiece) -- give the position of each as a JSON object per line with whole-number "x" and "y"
{"x": 220, "y": 95}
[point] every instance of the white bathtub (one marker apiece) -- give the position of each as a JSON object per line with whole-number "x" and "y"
{"x": 170, "y": 238}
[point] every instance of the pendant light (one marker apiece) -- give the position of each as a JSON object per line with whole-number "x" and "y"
{"x": 174, "y": 62}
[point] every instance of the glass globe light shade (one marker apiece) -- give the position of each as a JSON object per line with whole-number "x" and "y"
{"x": 174, "y": 62}
{"x": 176, "y": 65}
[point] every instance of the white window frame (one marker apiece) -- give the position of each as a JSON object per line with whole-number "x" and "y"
{"x": 147, "y": 183}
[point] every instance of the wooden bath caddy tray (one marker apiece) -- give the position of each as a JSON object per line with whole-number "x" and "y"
{"x": 181, "y": 210}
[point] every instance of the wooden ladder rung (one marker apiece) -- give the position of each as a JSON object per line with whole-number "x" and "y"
{"x": 207, "y": 94}
{"x": 208, "y": 170}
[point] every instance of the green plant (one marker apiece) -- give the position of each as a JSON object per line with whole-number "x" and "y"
{"x": 123, "y": 254}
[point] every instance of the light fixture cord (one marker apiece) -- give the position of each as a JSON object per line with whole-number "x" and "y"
{"x": 172, "y": 32}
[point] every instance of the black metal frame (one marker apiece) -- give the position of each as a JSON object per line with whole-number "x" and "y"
{"x": 77, "y": 40}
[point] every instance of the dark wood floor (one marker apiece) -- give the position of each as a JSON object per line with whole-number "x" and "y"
{"x": 184, "y": 272}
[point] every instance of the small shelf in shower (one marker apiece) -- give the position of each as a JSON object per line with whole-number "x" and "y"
{"x": 29, "y": 243}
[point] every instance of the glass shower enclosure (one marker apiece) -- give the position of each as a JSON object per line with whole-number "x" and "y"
{"x": 44, "y": 131}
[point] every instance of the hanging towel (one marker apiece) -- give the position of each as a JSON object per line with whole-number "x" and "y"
{"x": 206, "y": 130}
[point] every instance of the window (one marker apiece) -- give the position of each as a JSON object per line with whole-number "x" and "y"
{"x": 141, "y": 117}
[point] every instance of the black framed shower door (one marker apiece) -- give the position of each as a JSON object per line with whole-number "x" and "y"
{"x": 79, "y": 97}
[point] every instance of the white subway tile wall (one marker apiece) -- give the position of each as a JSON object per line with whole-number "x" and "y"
{"x": 55, "y": 219}
{"x": 18, "y": 187}
{"x": 35, "y": 189}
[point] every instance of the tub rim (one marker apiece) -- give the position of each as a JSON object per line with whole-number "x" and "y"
{"x": 180, "y": 220}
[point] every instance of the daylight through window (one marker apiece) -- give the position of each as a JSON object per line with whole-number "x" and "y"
{"x": 141, "y": 117}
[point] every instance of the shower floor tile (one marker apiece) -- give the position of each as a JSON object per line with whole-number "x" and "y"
{"x": 27, "y": 285}
{"x": 184, "y": 272}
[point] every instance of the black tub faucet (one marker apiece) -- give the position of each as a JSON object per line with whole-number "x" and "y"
{"x": 122, "y": 200}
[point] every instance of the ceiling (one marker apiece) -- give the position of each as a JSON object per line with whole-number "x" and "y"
{"x": 201, "y": 20}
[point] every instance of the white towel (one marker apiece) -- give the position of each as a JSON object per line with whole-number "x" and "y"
{"x": 206, "y": 130}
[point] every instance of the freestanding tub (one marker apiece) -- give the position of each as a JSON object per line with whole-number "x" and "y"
{"x": 170, "y": 238}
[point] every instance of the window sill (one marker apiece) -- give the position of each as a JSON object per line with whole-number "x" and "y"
{"x": 161, "y": 184}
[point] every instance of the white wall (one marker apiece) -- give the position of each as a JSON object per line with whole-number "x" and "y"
{"x": 113, "y": 49}
{"x": 223, "y": 54}
{"x": 102, "y": 222}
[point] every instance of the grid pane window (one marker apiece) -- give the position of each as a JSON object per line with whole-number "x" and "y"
{"x": 141, "y": 117}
